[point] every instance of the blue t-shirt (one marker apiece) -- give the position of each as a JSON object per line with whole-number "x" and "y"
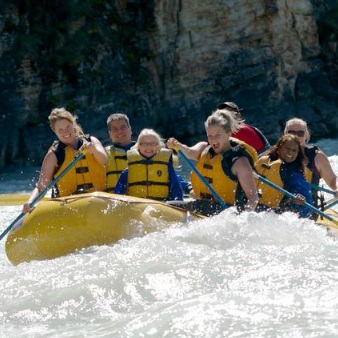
{"x": 299, "y": 185}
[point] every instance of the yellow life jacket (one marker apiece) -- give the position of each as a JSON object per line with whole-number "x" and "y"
{"x": 269, "y": 196}
{"x": 218, "y": 174}
{"x": 148, "y": 178}
{"x": 87, "y": 174}
{"x": 251, "y": 151}
{"x": 117, "y": 162}
{"x": 211, "y": 169}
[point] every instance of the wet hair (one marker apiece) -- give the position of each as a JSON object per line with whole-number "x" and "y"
{"x": 63, "y": 114}
{"x": 226, "y": 119}
{"x": 302, "y": 123}
{"x": 116, "y": 117}
{"x": 301, "y": 159}
{"x": 149, "y": 132}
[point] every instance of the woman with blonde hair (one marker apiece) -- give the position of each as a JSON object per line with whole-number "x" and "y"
{"x": 226, "y": 163}
{"x": 87, "y": 175}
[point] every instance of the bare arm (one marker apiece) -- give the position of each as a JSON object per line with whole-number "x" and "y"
{"x": 325, "y": 171}
{"x": 244, "y": 173}
{"x": 193, "y": 153}
{"x": 97, "y": 150}
{"x": 48, "y": 167}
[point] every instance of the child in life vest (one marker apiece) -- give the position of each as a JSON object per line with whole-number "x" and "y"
{"x": 150, "y": 172}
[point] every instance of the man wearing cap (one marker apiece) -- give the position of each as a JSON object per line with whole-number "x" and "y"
{"x": 248, "y": 134}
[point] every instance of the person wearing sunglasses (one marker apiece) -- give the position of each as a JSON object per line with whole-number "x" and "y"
{"x": 246, "y": 133}
{"x": 150, "y": 172}
{"x": 318, "y": 163}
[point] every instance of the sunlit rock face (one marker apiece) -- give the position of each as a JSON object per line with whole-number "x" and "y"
{"x": 166, "y": 64}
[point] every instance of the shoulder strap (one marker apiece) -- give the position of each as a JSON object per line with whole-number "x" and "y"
{"x": 59, "y": 151}
{"x": 228, "y": 159}
{"x": 263, "y": 138}
{"x": 59, "y": 148}
{"x": 245, "y": 149}
{"x": 310, "y": 152}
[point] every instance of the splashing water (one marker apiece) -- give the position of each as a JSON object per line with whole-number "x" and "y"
{"x": 248, "y": 275}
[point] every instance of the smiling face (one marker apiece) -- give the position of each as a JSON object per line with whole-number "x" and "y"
{"x": 288, "y": 151}
{"x": 218, "y": 138}
{"x": 65, "y": 131}
{"x": 148, "y": 145}
{"x": 120, "y": 132}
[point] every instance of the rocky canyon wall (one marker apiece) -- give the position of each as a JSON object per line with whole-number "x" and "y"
{"x": 166, "y": 64}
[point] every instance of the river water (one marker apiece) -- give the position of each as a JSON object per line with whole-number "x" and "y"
{"x": 253, "y": 275}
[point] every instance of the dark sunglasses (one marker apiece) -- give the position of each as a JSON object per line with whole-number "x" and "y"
{"x": 300, "y": 133}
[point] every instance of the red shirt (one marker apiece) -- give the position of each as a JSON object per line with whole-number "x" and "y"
{"x": 248, "y": 135}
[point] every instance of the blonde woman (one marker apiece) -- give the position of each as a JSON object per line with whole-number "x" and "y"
{"x": 226, "y": 163}
{"x": 150, "y": 172}
{"x": 87, "y": 175}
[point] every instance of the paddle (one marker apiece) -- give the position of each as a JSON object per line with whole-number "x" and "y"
{"x": 331, "y": 203}
{"x": 43, "y": 192}
{"x": 13, "y": 199}
{"x": 206, "y": 183}
{"x": 316, "y": 187}
{"x": 288, "y": 194}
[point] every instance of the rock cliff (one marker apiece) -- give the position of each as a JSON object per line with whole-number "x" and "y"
{"x": 166, "y": 64}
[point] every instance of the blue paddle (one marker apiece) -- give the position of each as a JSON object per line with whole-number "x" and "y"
{"x": 202, "y": 178}
{"x": 317, "y": 187}
{"x": 288, "y": 194}
{"x": 43, "y": 192}
{"x": 331, "y": 203}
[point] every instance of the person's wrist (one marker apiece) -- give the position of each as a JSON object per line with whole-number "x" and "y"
{"x": 177, "y": 146}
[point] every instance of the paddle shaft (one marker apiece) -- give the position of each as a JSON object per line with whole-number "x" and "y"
{"x": 14, "y": 199}
{"x": 206, "y": 183}
{"x": 288, "y": 194}
{"x": 316, "y": 187}
{"x": 331, "y": 203}
{"x": 43, "y": 192}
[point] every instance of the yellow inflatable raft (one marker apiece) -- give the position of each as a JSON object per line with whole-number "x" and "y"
{"x": 332, "y": 227}
{"x": 61, "y": 226}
